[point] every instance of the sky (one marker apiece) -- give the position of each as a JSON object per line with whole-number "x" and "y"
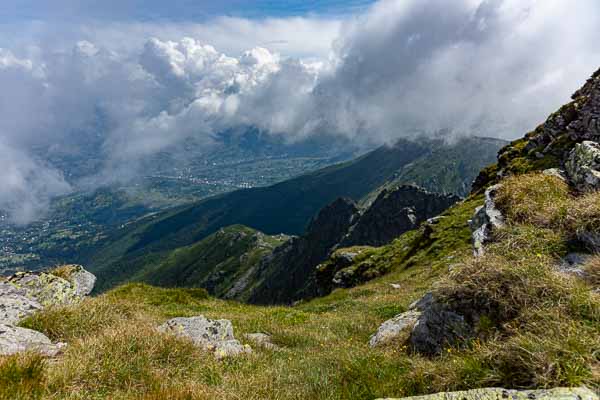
{"x": 137, "y": 77}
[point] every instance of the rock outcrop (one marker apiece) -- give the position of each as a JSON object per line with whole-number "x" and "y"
{"x": 211, "y": 335}
{"x": 550, "y": 145}
{"x": 486, "y": 220}
{"x": 427, "y": 327}
{"x": 15, "y": 305}
{"x": 290, "y": 269}
{"x": 395, "y": 212}
{"x": 25, "y": 293}
{"x": 503, "y": 394}
{"x": 583, "y": 166}
{"x": 16, "y": 340}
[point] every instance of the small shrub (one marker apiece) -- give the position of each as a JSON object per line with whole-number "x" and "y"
{"x": 22, "y": 376}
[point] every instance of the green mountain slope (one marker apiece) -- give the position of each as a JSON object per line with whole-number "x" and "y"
{"x": 221, "y": 263}
{"x": 285, "y": 207}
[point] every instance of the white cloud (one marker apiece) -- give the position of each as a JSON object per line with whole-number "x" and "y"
{"x": 403, "y": 67}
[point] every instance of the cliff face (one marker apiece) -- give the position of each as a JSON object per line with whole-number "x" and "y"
{"x": 293, "y": 265}
{"x": 395, "y": 212}
{"x": 290, "y": 267}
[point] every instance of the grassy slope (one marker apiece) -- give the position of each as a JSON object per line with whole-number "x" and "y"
{"x": 548, "y": 330}
{"x": 216, "y": 262}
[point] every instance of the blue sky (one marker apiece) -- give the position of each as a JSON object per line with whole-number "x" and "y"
{"x": 175, "y": 10}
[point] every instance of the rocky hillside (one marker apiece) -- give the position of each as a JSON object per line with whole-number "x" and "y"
{"x": 287, "y": 207}
{"x": 499, "y": 291}
{"x": 224, "y": 263}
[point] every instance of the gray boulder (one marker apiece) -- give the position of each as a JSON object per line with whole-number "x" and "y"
{"x": 15, "y": 340}
{"x": 15, "y": 305}
{"x": 427, "y": 327}
{"x": 583, "y": 166}
{"x": 486, "y": 220}
{"x": 212, "y": 335}
{"x": 53, "y": 288}
{"x": 506, "y": 394}
{"x": 83, "y": 281}
{"x": 393, "y": 329}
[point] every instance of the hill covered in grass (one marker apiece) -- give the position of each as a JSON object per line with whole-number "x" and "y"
{"x": 223, "y": 263}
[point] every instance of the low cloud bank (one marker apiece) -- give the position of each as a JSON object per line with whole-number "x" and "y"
{"x": 404, "y": 67}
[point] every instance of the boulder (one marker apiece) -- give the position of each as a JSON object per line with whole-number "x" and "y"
{"x": 65, "y": 285}
{"x": 83, "y": 281}
{"x": 504, "y": 394}
{"x": 427, "y": 327}
{"x": 583, "y": 166}
{"x": 15, "y": 305}
{"x": 15, "y": 340}
{"x": 261, "y": 340}
{"x": 487, "y": 218}
{"x": 393, "y": 329}
{"x": 212, "y": 335}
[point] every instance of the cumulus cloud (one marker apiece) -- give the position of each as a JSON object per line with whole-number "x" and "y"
{"x": 404, "y": 67}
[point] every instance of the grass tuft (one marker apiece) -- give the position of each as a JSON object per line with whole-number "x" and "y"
{"x": 22, "y": 376}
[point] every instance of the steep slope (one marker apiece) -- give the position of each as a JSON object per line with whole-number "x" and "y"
{"x": 530, "y": 322}
{"x": 285, "y": 207}
{"x": 221, "y": 263}
{"x": 293, "y": 266}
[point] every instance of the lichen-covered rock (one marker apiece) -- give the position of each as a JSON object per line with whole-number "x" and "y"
{"x": 486, "y": 220}
{"x": 427, "y": 327}
{"x": 83, "y": 281}
{"x": 393, "y": 329}
{"x": 212, "y": 335}
{"x": 15, "y": 340}
{"x": 15, "y": 305}
{"x": 261, "y": 340}
{"x": 583, "y": 166}
{"x": 64, "y": 285}
{"x": 46, "y": 288}
{"x": 506, "y": 394}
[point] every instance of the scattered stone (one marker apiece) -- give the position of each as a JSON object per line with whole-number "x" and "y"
{"x": 500, "y": 394}
{"x": 572, "y": 264}
{"x": 212, "y": 335}
{"x": 262, "y": 340}
{"x": 487, "y": 218}
{"x": 395, "y": 328}
{"x": 583, "y": 166}
{"x": 558, "y": 173}
{"x": 427, "y": 327}
{"x": 15, "y": 340}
